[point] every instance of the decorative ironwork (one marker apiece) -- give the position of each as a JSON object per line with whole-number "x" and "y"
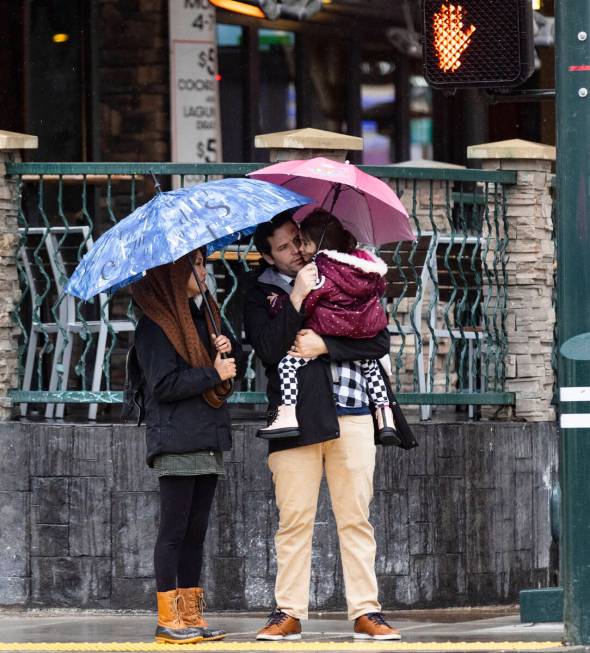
{"x": 446, "y": 297}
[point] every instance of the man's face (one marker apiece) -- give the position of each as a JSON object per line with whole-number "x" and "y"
{"x": 284, "y": 250}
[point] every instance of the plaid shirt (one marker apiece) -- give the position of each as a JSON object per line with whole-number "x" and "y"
{"x": 349, "y": 385}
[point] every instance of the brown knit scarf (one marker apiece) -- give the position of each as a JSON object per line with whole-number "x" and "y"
{"x": 161, "y": 295}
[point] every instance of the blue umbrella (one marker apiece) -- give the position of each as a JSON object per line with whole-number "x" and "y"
{"x": 175, "y": 223}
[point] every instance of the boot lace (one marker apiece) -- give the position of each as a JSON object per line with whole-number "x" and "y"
{"x": 276, "y": 617}
{"x": 193, "y": 604}
{"x": 175, "y": 605}
{"x": 200, "y": 604}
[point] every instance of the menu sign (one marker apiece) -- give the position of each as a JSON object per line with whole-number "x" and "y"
{"x": 196, "y": 135}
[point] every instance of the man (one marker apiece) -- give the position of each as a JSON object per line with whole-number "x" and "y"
{"x": 336, "y": 435}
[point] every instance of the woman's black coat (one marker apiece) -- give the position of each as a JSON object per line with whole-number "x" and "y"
{"x": 178, "y": 419}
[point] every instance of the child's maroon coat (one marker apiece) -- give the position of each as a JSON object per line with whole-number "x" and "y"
{"x": 348, "y": 302}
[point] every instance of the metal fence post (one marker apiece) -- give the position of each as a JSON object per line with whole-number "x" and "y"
{"x": 573, "y": 241}
{"x": 10, "y": 146}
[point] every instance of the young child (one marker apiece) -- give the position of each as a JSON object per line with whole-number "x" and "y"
{"x": 346, "y": 301}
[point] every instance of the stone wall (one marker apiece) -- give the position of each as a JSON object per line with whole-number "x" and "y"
{"x": 462, "y": 520}
{"x": 531, "y": 307}
{"x": 9, "y": 284}
{"x": 531, "y": 320}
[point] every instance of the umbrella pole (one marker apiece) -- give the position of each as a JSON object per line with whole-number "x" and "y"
{"x": 204, "y": 296}
{"x": 335, "y": 198}
{"x": 156, "y": 182}
{"x": 210, "y": 313}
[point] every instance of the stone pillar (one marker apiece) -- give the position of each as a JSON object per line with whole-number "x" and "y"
{"x": 10, "y": 146}
{"x": 307, "y": 143}
{"x": 531, "y": 264}
{"x": 435, "y": 195}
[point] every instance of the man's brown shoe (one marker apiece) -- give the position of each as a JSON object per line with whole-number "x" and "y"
{"x": 280, "y": 626}
{"x": 374, "y": 626}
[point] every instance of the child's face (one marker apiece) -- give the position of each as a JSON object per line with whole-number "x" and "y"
{"x": 308, "y": 248}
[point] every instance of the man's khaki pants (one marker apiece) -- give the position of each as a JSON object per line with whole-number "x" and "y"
{"x": 349, "y": 462}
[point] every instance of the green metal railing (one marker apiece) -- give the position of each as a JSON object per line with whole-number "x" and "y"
{"x": 446, "y": 298}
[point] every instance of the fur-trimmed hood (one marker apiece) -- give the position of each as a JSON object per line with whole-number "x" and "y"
{"x": 358, "y": 275}
{"x": 360, "y": 258}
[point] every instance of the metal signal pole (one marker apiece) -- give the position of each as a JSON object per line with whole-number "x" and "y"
{"x": 573, "y": 307}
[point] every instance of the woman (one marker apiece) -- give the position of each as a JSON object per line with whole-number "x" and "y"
{"x": 185, "y": 384}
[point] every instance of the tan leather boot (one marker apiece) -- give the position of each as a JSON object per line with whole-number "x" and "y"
{"x": 192, "y": 606}
{"x": 171, "y": 629}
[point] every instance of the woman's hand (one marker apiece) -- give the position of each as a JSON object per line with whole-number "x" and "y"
{"x": 226, "y": 367}
{"x": 222, "y": 343}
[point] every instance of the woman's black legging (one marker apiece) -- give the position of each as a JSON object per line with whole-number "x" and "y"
{"x": 185, "y": 504}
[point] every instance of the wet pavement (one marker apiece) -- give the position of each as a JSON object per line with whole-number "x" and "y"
{"x": 451, "y": 630}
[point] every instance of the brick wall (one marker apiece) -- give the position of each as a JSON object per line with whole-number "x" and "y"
{"x": 134, "y": 80}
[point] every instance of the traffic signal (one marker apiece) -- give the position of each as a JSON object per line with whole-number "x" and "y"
{"x": 271, "y": 9}
{"x": 479, "y": 43}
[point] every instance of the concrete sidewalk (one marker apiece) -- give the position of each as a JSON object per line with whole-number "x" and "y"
{"x": 478, "y": 630}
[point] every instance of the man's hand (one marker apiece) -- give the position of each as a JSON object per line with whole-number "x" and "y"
{"x": 221, "y": 343}
{"x": 308, "y": 345}
{"x": 304, "y": 282}
{"x": 226, "y": 367}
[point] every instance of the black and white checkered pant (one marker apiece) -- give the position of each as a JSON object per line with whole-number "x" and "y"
{"x": 289, "y": 365}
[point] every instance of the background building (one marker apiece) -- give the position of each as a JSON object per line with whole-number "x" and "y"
{"x": 92, "y": 80}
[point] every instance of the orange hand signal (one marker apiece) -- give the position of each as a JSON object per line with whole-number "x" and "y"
{"x": 450, "y": 41}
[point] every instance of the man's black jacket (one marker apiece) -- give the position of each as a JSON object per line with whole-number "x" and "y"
{"x": 271, "y": 338}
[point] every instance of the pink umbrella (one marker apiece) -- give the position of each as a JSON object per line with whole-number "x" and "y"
{"x": 365, "y": 205}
